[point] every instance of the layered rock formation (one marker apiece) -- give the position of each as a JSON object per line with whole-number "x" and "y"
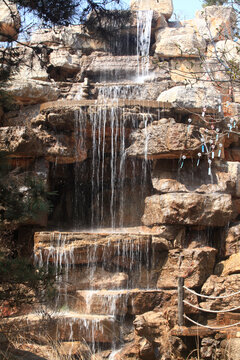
{"x": 144, "y": 164}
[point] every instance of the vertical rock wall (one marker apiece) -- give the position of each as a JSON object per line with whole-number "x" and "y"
{"x": 175, "y": 136}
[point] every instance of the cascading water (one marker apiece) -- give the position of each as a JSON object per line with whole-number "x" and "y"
{"x": 119, "y": 91}
{"x": 112, "y": 179}
{"x": 144, "y": 26}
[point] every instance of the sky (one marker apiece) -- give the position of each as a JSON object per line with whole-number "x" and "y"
{"x": 185, "y": 9}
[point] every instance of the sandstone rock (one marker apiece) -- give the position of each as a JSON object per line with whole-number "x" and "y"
{"x": 232, "y": 241}
{"x": 144, "y": 90}
{"x": 159, "y": 21}
{"x": 32, "y": 65}
{"x": 10, "y": 21}
{"x": 150, "y": 325}
{"x": 100, "y": 279}
{"x": 100, "y": 65}
{"x": 229, "y": 266}
{"x": 21, "y": 141}
{"x": 64, "y": 58}
{"x": 21, "y": 117}
{"x": 167, "y": 178}
{"x": 226, "y": 50}
{"x": 164, "y": 7}
{"x": 186, "y": 70}
{"x": 195, "y": 265}
{"x": 111, "y": 302}
{"x": 192, "y": 97}
{"x": 168, "y": 237}
{"x": 189, "y": 209}
{"x": 214, "y": 23}
{"x": 179, "y": 42}
{"x": 32, "y": 91}
{"x": 164, "y": 140}
{"x": 68, "y": 325}
{"x": 74, "y": 37}
{"x": 221, "y": 286}
{"x": 87, "y": 248}
{"x": 118, "y": 302}
{"x": 220, "y": 21}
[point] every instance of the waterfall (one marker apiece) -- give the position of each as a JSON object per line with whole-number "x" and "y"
{"x": 119, "y": 91}
{"x": 144, "y": 26}
{"x": 116, "y": 185}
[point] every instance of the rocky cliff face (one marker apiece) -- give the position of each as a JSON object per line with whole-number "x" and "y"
{"x": 144, "y": 152}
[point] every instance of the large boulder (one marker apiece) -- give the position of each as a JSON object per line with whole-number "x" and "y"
{"x": 192, "y": 96}
{"x": 164, "y": 139}
{"x": 214, "y": 23}
{"x": 74, "y": 37}
{"x": 229, "y": 266}
{"x": 196, "y": 265}
{"x": 166, "y": 177}
{"x": 31, "y": 91}
{"x": 66, "y": 60}
{"x": 150, "y": 325}
{"x": 10, "y": 21}
{"x": 179, "y": 42}
{"x": 164, "y": 7}
{"x": 226, "y": 50}
{"x": 221, "y": 286}
{"x": 21, "y": 141}
{"x": 188, "y": 209}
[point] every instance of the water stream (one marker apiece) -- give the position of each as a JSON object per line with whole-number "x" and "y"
{"x": 144, "y": 27}
{"x": 109, "y": 126}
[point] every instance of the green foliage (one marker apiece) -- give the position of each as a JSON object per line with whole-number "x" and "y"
{"x": 57, "y": 12}
{"x": 23, "y": 196}
{"x": 64, "y": 12}
{"x": 23, "y": 283}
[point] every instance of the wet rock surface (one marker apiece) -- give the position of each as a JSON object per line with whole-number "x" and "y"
{"x": 195, "y": 265}
{"x": 144, "y": 150}
{"x": 164, "y": 139}
{"x": 189, "y": 209}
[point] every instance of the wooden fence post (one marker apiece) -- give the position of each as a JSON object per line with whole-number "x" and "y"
{"x": 180, "y": 301}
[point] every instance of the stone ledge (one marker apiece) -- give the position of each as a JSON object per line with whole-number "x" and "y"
{"x": 66, "y": 326}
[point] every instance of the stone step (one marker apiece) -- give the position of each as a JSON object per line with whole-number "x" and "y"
{"x": 66, "y": 248}
{"x": 60, "y": 104}
{"x": 66, "y": 326}
{"x": 117, "y": 302}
